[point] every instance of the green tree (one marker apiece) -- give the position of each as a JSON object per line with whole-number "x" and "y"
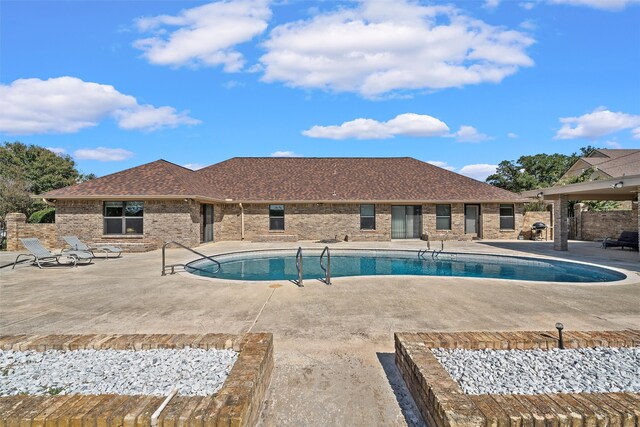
{"x": 536, "y": 171}
{"x": 29, "y": 169}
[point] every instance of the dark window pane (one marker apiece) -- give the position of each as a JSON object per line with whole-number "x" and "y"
{"x": 367, "y": 223}
{"x": 276, "y": 210}
{"x": 443, "y": 210}
{"x": 113, "y": 226}
{"x": 276, "y": 223}
{"x": 443, "y": 223}
{"x": 113, "y": 209}
{"x": 133, "y": 226}
{"x": 507, "y": 223}
{"x": 134, "y": 209}
{"x": 367, "y": 210}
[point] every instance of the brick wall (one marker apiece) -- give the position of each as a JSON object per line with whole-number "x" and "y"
{"x": 598, "y": 225}
{"x": 164, "y": 220}
{"x": 17, "y": 227}
{"x": 530, "y": 218}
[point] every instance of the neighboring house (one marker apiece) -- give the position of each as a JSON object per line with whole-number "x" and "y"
{"x": 607, "y": 163}
{"x": 284, "y": 199}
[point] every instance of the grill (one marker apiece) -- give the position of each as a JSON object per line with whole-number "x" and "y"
{"x": 536, "y": 230}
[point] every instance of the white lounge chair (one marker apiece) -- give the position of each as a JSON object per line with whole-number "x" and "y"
{"x": 77, "y": 245}
{"x": 41, "y": 255}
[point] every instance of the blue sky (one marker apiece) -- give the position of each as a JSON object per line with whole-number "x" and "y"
{"x": 462, "y": 84}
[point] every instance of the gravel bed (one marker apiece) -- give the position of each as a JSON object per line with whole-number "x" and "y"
{"x": 195, "y": 372}
{"x": 585, "y": 370}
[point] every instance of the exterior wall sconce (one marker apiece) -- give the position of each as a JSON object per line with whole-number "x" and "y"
{"x": 618, "y": 184}
{"x": 540, "y": 195}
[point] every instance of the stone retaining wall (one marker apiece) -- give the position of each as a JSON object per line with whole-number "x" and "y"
{"x": 17, "y": 227}
{"x": 238, "y": 403}
{"x": 443, "y": 403}
{"x": 598, "y": 225}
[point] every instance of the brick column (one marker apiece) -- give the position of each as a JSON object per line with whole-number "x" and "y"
{"x": 560, "y": 224}
{"x": 13, "y": 221}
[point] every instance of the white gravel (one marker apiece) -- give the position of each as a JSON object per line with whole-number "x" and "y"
{"x": 586, "y": 370}
{"x": 195, "y": 372}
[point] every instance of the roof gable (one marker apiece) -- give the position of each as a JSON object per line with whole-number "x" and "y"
{"x": 159, "y": 178}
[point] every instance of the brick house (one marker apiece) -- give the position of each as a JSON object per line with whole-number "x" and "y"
{"x": 284, "y": 199}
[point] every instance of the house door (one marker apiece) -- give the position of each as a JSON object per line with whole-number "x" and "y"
{"x": 207, "y": 223}
{"x": 405, "y": 222}
{"x": 472, "y": 219}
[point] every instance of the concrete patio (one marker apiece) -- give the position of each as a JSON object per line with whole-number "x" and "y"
{"x": 333, "y": 344}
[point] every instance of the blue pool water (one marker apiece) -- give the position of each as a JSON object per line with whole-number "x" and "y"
{"x": 281, "y": 265}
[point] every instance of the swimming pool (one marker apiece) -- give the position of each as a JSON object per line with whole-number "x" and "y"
{"x": 281, "y": 265}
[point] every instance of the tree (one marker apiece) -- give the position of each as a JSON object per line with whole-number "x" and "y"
{"x": 536, "y": 171}
{"x": 29, "y": 169}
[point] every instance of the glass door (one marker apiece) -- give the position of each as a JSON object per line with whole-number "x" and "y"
{"x": 471, "y": 219}
{"x": 406, "y": 222}
{"x": 207, "y": 223}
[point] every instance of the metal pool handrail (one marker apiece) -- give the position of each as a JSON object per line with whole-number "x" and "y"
{"x": 173, "y": 266}
{"x": 327, "y": 271}
{"x": 299, "y": 266}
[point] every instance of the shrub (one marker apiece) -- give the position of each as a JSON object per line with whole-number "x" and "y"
{"x": 46, "y": 215}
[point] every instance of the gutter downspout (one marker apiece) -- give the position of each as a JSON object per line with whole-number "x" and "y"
{"x": 241, "y": 221}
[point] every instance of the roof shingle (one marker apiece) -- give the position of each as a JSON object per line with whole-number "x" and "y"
{"x": 271, "y": 179}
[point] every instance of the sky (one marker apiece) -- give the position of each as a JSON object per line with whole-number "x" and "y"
{"x": 463, "y": 85}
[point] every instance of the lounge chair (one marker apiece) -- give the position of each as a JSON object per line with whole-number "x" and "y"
{"x": 628, "y": 239}
{"x": 77, "y": 245}
{"x": 41, "y": 255}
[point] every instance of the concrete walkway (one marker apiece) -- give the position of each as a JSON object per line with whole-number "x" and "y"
{"x": 333, "y": 344}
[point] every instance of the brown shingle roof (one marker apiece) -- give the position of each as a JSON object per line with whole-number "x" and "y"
{"x": 272, "y": 179}
{"x": 341, "y": 179}
{"x": 617, "y": 162}
{"x": 159, "y": 178}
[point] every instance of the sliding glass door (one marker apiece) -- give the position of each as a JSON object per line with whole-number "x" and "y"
{"x": 406, "y": 222}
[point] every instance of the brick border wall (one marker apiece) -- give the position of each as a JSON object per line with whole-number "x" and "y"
{"x": 443, "y": 403}
{"x": 237, "y": 403}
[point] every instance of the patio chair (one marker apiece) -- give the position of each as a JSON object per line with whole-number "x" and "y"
{"x": 77, "y": 245}
{"x": 627, "y": 239}
{"x": 41, "y": 255}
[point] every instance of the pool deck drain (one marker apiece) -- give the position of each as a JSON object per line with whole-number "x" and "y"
{"x": 443, "y": 403}
{"x": 238, "y": 403}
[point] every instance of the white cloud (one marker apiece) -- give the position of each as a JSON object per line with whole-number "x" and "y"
{"x": 103, "y": 154}
{"x": 375, "y": 48}
{"x": 469, "y": 134}
{"x": 193, "y": 166}
{"x": 613, "y": 144}
{"x": 528, "y": 5}
{"x": 598, "y": 4}
{"x": 148, "y": 117}
{"x": 57, "y": 150}
{"x": 478, "y": 171}
{"x": 635, "y": 133}
{"x": 68, "y": 104}
{"x": 513, "y": 135}
{"x": 443, "y": 165}
{"x": 528, "y": 25}
{"x": 408, "y": 124}
{"x": 205, "y": 35}
{"x": 491, "y": 3}
{"x": 594, "y": 125}
{"x": 285, "y": 154}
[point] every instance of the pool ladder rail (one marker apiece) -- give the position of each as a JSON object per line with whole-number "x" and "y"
{"x": 327, "y": 269}
{"x": 166, "y": 266}
{"x": 434, "y": 253}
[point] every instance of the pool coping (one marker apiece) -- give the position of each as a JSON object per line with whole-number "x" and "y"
{"x": 442, "y": 402}
{"x": 237, "y": 403}
{"x": 630, "y": 276}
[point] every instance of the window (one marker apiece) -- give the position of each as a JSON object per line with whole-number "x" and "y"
{"x": 123, "y": 217}
{"x": 507, "y": 221}
{"x": 276, "y": 217}
{"x": 443, "y": 217}
{"x": 367, "y": 217}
